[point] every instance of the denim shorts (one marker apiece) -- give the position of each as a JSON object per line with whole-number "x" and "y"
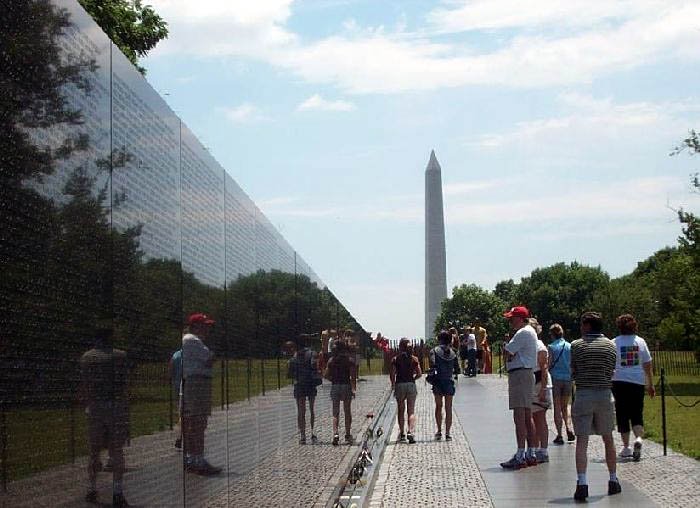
{"x": 444, "y": 387}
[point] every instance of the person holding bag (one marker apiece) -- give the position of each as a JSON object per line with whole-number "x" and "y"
{"x": 443, "y": 360}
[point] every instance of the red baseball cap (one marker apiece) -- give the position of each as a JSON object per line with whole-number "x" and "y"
{"x": 199, "y": 319}
{"x": 517, "y": 312}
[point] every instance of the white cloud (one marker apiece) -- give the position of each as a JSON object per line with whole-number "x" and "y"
{"x": 610, "y": 36}
{"x": 318, "y": 103}
{"x": 245, "y": 113}
{"x": 587, "y": 118}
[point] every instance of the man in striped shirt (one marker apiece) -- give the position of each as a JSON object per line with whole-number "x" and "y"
{"x": 593, "y": 360}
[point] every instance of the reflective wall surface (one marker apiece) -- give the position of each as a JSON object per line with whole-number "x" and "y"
{"x": 117, "y": 228}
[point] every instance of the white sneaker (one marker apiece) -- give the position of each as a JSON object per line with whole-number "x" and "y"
{"x": 625, "y": 452}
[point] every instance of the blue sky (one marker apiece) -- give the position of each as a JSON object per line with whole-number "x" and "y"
{"x": 552, "y": 124}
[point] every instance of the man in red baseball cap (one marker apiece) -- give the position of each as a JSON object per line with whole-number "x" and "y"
{"x": 521, "y": 353}
{"x": 197, "y": 363}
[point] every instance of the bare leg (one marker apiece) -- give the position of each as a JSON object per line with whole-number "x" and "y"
{"x": 411, "y": 409}
{"x": 301, "y": 416}
{"x": 541, "y": 429}
{"x": 448, "y": 413}
{"x": 347, "y": 412}
{"x": 610, "y": 459}
{"x": 336, "y": 415}
{"x": 625, "y": 439}
{"x": 401, "y": 409}
{"x": 638, "y": 431}
{"x": 523, "y": 421}
{"x": 558, "y": 414}
{"x": 312, "y": 413}
{"x": 438, "y": 411}
{"x": 582, "y": 454}
{"x": 565, "y": 413}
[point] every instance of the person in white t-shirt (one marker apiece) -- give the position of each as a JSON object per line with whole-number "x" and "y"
{"x": 632, "y": 375}
{"x": 541, "y": 397}
{"x": 521, "y": 354}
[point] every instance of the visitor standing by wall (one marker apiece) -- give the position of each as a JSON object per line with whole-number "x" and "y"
{"x": 521, "y": 358}
{"x": 471, "y": 354}
{"x": 303, "y": 369}
{"x": 541, "y": 397}
{"x": 197, "y": 373}
{"x": 593, "y": 359}
{"x": 560, "y": 370}
{"x": 633, "y": 374}
{"x": 444, "y": 359}
{"x": 405, "y": 369}
{"x": 175, "y": 370}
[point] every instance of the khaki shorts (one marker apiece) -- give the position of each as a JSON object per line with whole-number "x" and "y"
{"x": 341, "y": 392}
{"x": 521, "y": 382}
{"x": 108, "y": 425}
{"x": 537, "y": 404}
{"x": 561, "y": 388}
{"x": 197, "y": 396}
{"x": 593, "y": 412}
{"x": 405, "y": 391}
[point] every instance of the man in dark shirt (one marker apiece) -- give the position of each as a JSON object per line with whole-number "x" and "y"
{"x": 593, "y": 360}
{"x": 103, "y": 390}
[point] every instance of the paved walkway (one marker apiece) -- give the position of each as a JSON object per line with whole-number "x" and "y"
{"x": 256, "y": 442}
{"x": 466, "y": 472}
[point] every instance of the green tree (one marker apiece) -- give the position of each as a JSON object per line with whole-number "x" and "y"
{"x": 470, "y": 304}
{"x": 135, "y": 28}
{"x": 561, "y": 293}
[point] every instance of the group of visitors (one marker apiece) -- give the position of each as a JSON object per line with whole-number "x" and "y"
{"x": 474, "y": 350}
{"x": 610, "y": 377}
{"x": 337, "y": 362}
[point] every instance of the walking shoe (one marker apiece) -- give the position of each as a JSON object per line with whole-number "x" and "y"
{"x": 570, "y": 436}
{"x": 119, "y": 500}
{"x": 202, "y": 468}
{"x": 349, "y": 439}
{"x": 558, "y": 440}
{"x": 625, "y": 452}
{"x": 402, "y": 437}
{"x": 541, "y": 457}
{"x": 411, "y": 439}
{"x": 614, "y": 487}
{"x": 637, "y": 453}
{"x": 302, "y": 440}
{"x": 514, "y": 463}
{"x": 314, "y": 439}
{"x": 448, "y": 437}
{"x": 531, "y": 460}
{"x": 91, "y": 497}
{"x": 581, "y": 492}
{"x": 336, "y": 439}
{"x": 438, "y": 436}
{"x": 178, "y": 443}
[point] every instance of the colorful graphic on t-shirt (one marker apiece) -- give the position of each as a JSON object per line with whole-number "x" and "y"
{"x": 629, "y": 356}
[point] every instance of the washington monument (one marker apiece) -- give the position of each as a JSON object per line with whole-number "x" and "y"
{"x": 435, "y": 263}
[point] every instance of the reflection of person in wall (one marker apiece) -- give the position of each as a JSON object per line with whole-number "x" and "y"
{"x": 175, "y": 370}
{"x": 197, "y": 362}
{"x": 103, "y": 390}
{"x": 303, "y": 369}
{"x": 341, "y": 373}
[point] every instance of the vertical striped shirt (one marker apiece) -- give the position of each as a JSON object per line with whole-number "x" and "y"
{"x": 593, "y": 361}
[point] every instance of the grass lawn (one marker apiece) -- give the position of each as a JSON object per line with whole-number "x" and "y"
{"x": 681, "y": 422}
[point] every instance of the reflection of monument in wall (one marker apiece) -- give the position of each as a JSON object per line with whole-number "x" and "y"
{"x": 435, "y": 262}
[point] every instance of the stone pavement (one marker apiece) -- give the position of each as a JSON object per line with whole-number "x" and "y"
{"x": 429, "y": 472}
{"x": 466, "y": 472}
{"x": 255, "y": 441}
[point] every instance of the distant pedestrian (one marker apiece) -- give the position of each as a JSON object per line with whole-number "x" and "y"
{"x": 541, "y": 397}
{"x": 444, "y": 359}
{"x": 463, "y": 348}
{"x": 560, "y": 370}
{"x": 103, "y": 390}
{"x": 632, "y": 374}
{"x": 340, "y": 371}
{"x": 405, "y": 370}
{"x": 487, "y": 368}
{"x": 454, "y": 334}
{"x": 593, "y": 359}
{"x": 521, "y": 356}
{"x": 303, "y": 369}
{"x": 471, "y": 354}
{"x": 480, "y": 333}
{"x": 197, "y": 373}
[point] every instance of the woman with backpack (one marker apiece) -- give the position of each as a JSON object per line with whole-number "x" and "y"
{"x": 404, "y": 371}
{"x": 443, "y": 360}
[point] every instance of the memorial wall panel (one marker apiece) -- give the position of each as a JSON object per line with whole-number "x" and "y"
{"x": 116, "y": 226}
